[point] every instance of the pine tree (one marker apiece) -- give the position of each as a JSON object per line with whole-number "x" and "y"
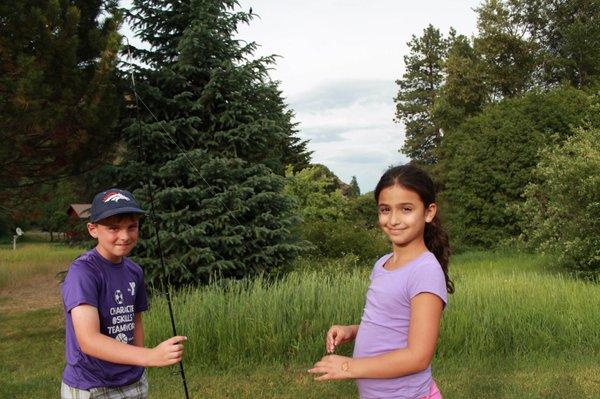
{"x": 568, "y": 32}
{"x": 417, "y": 95}
{"x": 353, "y": 189}
{"x": 464, "y": 91}
{"x": 505, "y": 47}
{"x": 216, "y": 151}
{"x": 58, "y": 104}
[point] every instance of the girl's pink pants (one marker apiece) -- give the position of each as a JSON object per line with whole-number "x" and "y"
{"x": 434, "y": 392}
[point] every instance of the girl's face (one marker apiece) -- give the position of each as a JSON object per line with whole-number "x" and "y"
{"x": 402, "y": 215}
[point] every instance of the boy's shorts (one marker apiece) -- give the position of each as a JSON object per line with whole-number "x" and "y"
{"x": 137, "y": 390}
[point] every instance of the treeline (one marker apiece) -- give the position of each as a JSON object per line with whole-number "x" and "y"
{"x": 206, "y": 129}
{"x": 493, "y": 117}
{"x": 506, "y": 120}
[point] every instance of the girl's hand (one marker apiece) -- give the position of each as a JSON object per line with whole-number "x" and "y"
{"x": 333, "y": 367}
{"x": 338, "y": 335}
{"x": 167, "y": 352}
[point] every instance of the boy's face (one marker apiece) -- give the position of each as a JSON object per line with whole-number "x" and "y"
{"x": 116, "y": 235}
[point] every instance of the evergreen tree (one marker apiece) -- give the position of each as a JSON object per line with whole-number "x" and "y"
{"x": 58, "y": 103}
{"x": 568, "y": 33}
{"x": 222, "y": 135}
{"x": 464, "y": 91}
{"x": 505, "y": 47}
{"x": 418, "y": 92}
{"x": 353, "y": 190}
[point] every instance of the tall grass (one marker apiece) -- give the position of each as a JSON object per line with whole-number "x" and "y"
{"x": 517, "y": 314}
{"x": 257, "y": 320}
{"x": 504, "y": 305}
{"x": 29, "y": 260}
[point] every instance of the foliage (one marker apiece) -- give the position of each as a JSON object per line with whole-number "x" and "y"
{"x": 333, "y": 239}
{"x": 228, "y": 219}
{"x": 464, "y": 91}
{"x": 58, "y": 105}
{"x": 5, "y": 225}
{"x": 560, "y": 213}
{"x": 490, "y": 157}
{"x": 521, "y": 46}
{"x": 216, "y": 137}
{"x": 353, "y": 189}
{"x": 315, "y": 194}
{"x": 362, "y": 211}
{"x": 52, "y": 210}
{"x": 507, "y": 52}
{"x": 335, "y": 225}
{"x": 568, "y": 32}
{"x": 416, "y": 98}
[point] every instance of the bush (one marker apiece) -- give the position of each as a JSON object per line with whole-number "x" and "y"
{"x": 4, "y": 226}
{"x": 488, "y": 161}
{"x": 334, "y": 239}
{"x": 315, "y": 194}
{"x": 362, "y": 210}
{"x": 562, "y": 204}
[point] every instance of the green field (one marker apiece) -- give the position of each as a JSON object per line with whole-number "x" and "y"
{"x": 516, "y": 328}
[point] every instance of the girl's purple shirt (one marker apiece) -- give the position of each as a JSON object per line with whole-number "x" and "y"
{"x": 386, "y": 316}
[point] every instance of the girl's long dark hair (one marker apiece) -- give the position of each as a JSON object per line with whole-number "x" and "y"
{"x": 417, "y": 180}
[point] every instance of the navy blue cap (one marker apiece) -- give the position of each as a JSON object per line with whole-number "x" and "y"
{"x": 113, "y": 202}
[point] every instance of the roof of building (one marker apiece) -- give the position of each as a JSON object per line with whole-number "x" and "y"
{"x": 82, "y": 211}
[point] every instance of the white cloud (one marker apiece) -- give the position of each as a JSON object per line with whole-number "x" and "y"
{"x": 337, "y": 66}
{"x": 350, "y": 127}
{"x": 339, "y": 61}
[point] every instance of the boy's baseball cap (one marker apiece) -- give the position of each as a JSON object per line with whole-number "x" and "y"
{"x": 113, "y": 202}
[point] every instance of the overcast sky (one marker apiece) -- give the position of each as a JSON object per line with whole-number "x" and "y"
{"x": 338, "y": 66}
{"x": 339, "y": 60}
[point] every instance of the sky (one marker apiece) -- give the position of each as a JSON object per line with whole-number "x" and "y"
{"x": 337, "y": 66}
{"x": 339, "y": 60}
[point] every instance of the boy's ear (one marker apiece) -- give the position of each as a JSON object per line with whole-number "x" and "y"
{"x": 93, "y": 229}
{"x": 430, "y": 212}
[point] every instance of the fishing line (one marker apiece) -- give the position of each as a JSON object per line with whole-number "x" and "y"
{"x": 153, "y": 216}
{"x": 182, "y": 152}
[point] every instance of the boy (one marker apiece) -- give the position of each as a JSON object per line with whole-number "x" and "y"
{"x": 104, "y": 295}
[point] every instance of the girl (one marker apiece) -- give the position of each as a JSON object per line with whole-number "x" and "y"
{"x": 396, "y": 338}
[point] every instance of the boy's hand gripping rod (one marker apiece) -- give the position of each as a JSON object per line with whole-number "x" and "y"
{"x": 152, "y": 214}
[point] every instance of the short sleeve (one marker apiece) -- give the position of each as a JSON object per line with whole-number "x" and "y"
{"x": 428, "y": 277}
{"x": 80, "y": 286}
{"x": 141, "y": 299}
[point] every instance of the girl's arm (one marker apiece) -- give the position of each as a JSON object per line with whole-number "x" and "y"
{"x": 426, "y": 313}
{"x": 86, "y": 324}
{"x": 138, "y": 333}
{"x": 340, "y": 335}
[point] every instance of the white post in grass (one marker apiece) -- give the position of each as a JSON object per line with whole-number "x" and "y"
{"x": 19, "y": 233}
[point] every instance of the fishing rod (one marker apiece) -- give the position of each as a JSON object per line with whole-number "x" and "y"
{"x": 142, "y": 157}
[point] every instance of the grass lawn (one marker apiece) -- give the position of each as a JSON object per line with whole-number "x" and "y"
{"x": 525, "y": 332}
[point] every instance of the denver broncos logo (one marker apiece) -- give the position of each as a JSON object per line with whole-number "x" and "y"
{"x": 115, "y": 197}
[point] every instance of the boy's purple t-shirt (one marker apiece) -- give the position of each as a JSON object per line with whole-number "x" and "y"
{"x": 384, "y": 324}
{"x": 118, "y": 292}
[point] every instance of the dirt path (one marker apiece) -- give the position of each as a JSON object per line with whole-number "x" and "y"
{"x": 38, "y": 292}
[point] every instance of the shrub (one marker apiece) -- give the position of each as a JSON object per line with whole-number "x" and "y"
{"x": 362, "y": 210}
{"x": 333, "y": 239}
{"x": 488, "y": 161}
{"x": 561, "y": 210}
{"x": 315, "y": 194}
